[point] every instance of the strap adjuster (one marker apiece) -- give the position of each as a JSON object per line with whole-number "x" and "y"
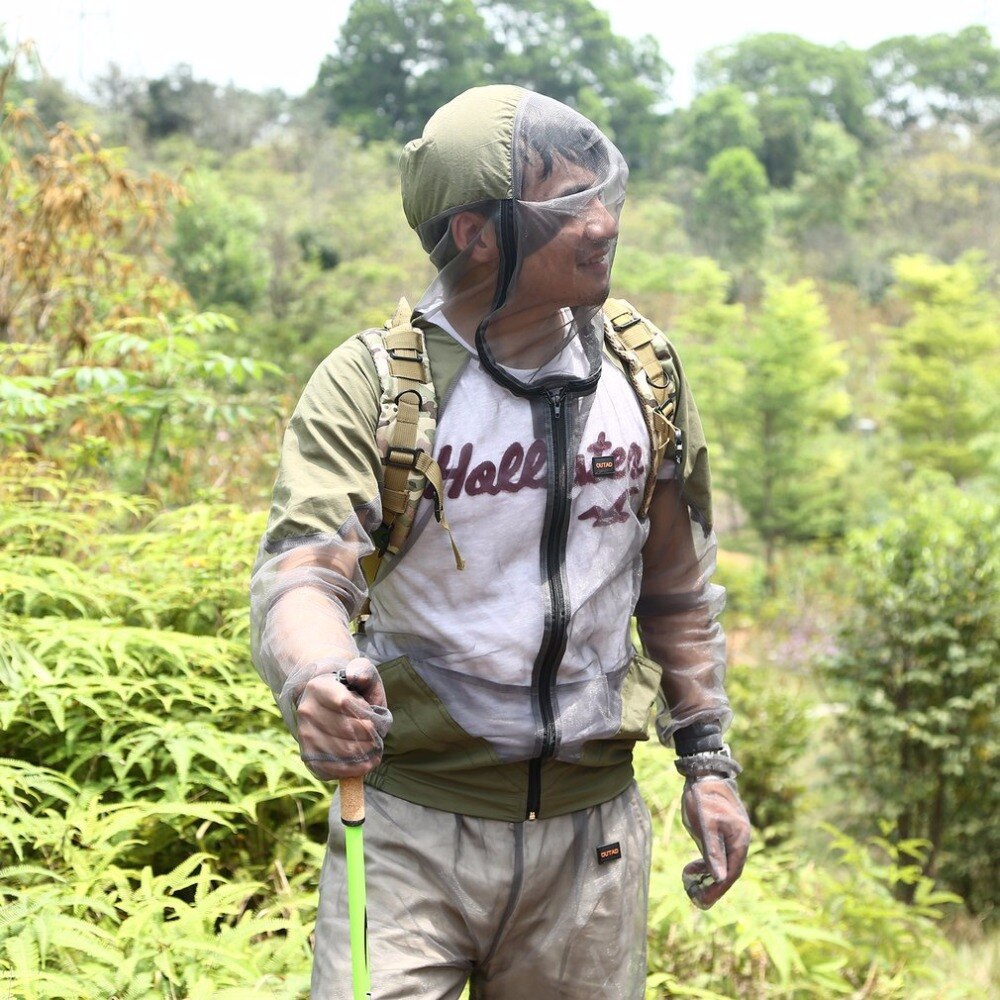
{"x": 402, "y": 458}
{"x": 625, "y": 319}
{"x": 405, "y": 354}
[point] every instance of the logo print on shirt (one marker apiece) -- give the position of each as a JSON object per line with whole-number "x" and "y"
{"x": 523, "y": 468}
{"x": 617, "y": 513}
{"x": 517, "y": 470}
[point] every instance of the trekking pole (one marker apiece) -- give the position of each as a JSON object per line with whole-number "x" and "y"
{"x": 352, "y": 815}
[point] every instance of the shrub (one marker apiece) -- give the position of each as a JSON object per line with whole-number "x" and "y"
{"x": 916, "y": 674}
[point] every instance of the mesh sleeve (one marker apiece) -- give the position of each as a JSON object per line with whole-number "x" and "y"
{"x": 678, "y": 613}
{"x": 304, "y": 594}
{"x": 307, "y": 583}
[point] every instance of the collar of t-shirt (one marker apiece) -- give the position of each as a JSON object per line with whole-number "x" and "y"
{"x": 571, "y": 361}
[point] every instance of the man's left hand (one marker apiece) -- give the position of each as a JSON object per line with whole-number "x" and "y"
{"x": 714, "y": 815}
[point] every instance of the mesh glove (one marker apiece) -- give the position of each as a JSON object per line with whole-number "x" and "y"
{"x": 342, "y": 719}
{"x": 715, "y": 817}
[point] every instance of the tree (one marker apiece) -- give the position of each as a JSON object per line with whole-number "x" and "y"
{"x": 827, "y": 188}
{"x": 831, "y": 80}
{"x": 731, "y": 211}
{"x": 99, "y": 353}
{"x": 780, "y": 418}
{"x": 718, "y": 120}
{"x": 792, "y": 83}
{"x": 944, "y": 365}
{"x": 916, "y": 673}
{"x": 221, "y": 118}
{"x": 945, "y": 78}
{"x": 398, "y": 61}
{"x": 785, "y": 122}
{"x": 70, "y": 213}
{"x": 567, "y": 50}
{"x": 216, "y": 251}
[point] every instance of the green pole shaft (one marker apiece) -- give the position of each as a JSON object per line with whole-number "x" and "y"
{"x": 352, "y": 815}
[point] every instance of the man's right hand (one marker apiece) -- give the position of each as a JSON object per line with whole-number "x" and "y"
{"x": 342, "y": 719}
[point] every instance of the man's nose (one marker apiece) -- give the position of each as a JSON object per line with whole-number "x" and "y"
{"x": 601, "y": 224}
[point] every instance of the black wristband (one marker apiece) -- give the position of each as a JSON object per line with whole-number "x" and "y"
{"x": 700, "y": 737}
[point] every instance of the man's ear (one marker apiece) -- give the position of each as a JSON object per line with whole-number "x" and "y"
{"x": 475, "y": 236}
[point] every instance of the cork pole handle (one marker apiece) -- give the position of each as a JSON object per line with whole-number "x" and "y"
{"x": 352, "y": 801}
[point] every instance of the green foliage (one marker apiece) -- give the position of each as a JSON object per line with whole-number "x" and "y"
{"x": 567, "y": 50}
{"x": 216, "y": 250}
{"x": 832, "y": 81}
{"x": 779, "y": 419}
{"x": 793, "y": 928}
{"x": 731, "y": 212}
{"x": 718, "y": 120}
{"x": 827, "y": 189}
{"x": 155, "y": 828}
{"x": 916, "y": 674}
{"x": 149, "y": 386}
{"x": 97, "y": 350}
{"x": 941, "y": 77}
{"x": 944, "y": 366}
{"x": 158, "y": 837}
{"x": 339, "y": 254}
{"x": 398, "y": 61}
{"x": 77, "y": 233}
{"x": 785, "y": 122}
{"x": 770, "y": 735}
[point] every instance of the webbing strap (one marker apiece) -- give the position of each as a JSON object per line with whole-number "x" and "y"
{"x": 399, "y": 459}
{"x": 407, "y": 359}
{"x": 633, "y": 342}
{"x": 401, "y": 315}
{"x": 407, "y": 362}
{"x": 435, "y": 477}
{"x": 405, "y": 338}
{"x": 637, "y": 337}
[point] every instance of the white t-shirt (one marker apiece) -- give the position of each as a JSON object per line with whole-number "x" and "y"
{"x": 474, "y": 635}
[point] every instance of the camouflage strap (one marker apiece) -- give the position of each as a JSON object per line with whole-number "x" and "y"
{"x": 644, "y": 352}
{"x": 405, "y": 433}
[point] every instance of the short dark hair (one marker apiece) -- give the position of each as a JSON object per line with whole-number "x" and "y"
{"x": 572, "y": 138}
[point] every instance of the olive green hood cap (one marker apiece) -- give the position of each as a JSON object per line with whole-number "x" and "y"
{"x": 464, "y": 155}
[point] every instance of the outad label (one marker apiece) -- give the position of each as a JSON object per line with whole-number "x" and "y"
{"x": 609, "y": 852}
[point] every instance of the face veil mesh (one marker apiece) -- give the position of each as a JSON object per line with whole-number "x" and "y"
{"x": 523, "y": 279}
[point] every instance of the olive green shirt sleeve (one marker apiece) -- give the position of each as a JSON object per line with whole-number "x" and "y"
{"x": 330, "y": 467}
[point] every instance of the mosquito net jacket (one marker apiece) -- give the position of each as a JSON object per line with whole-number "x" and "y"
{"x": 514, "y": 684}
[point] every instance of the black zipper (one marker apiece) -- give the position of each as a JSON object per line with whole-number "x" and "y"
{"x": 555, "y": 531}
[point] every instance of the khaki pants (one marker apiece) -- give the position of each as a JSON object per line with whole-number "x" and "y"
{"x": 518, "y": 910}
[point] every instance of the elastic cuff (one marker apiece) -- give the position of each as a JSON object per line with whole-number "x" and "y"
{"x": 715, "y": 764}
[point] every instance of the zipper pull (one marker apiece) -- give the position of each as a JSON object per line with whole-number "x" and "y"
{"x": 556, "y": 397}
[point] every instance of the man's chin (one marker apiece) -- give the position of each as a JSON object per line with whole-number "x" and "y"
{"x": 599, "y": 297}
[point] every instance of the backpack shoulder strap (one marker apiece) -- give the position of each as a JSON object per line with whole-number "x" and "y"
{"x": 405, "y": 433}
{"x": 649, "y": 365}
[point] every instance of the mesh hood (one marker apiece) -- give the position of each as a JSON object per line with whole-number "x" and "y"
{"x": 516, "y": 198}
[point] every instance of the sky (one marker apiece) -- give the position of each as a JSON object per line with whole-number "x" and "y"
{"x": 258, "y": 45}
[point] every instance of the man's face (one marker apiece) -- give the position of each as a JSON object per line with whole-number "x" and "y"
{"x": 572, "y": 267}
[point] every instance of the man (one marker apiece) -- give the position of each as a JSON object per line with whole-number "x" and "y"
{"x": 506, "y": 842}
